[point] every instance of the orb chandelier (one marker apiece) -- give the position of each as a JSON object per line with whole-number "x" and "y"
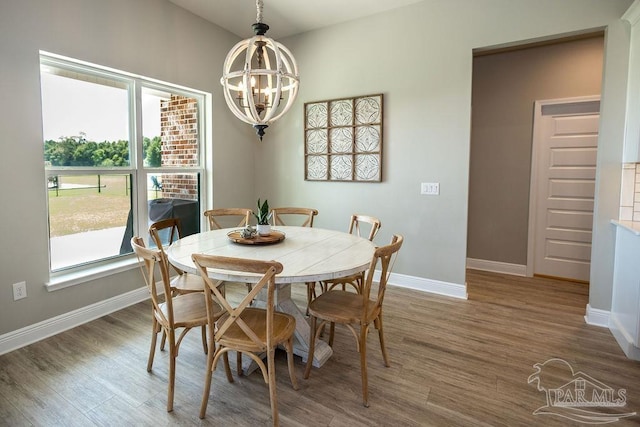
{"x": 260, "y": 78}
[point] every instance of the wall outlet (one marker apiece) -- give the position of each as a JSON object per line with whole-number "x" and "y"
{"x": 430, "y": 188}
{"x": 19, "y": 290}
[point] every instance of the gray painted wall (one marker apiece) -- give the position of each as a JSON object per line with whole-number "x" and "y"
{"x": 420, "y": 57}
{"x": 505, "y": 87}
{"x": 153, "y": 38}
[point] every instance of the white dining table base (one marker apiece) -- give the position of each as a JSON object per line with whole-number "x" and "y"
{"x": 301, "y": 340}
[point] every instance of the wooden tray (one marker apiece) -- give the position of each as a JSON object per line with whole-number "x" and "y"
{"x": 275, "y": 237}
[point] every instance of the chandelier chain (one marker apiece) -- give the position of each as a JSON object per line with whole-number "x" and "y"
{"x": 259, "y": 6}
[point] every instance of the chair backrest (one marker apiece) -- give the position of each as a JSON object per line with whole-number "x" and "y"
{"x": 383, "y": 256}
{"x": 305, "y": 215}
{"x": 265, "y": 271}
{"x": 148, "y": 259}
{"x": 355, "y": 226}
{"x": 213, "y": 215}
{"x": 166, "y": 231}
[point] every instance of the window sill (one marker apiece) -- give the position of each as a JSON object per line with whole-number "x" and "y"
{"x": 66, "y": 280}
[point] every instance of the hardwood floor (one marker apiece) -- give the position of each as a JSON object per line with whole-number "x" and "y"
{"x": 453, "y": 362}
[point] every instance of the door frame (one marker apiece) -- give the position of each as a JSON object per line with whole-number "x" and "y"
{"x": 535, "y": 165}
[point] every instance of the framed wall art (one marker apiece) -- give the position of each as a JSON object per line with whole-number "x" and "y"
{"x": 343, "y": 139}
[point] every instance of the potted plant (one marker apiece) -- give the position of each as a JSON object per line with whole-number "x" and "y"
{"x": 263, "y": 216}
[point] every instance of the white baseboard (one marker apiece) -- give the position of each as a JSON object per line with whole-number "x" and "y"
{"x": 623, "y": 338}
{"x": 597, "y": 317}
{"x": 497, "y": 267}
{"x": 41, "y": 330}
{"x": 426, "y": 285}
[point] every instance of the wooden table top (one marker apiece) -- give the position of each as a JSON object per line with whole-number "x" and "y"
{"x": 307, "y": 254}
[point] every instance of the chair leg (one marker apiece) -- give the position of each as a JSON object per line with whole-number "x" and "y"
{"x": 271, "y": 373}
{"x": 292, "y": 373}
{"x": 172, "y": 369}
{"x": 312, "y": 346}
{"x": 363, "y": 364}
{"x": 332, "y": 330}
{"x": 152, "y": 350}
{"x": 227, "y": 368}
{"x": 378, "y": 324}
{"x": 204, "y": 339}
{"x": 163, "y": 341}
{"x": 311, "y": 286}
{"x": 239, "y": 363}
{"x": 207, "y": 384}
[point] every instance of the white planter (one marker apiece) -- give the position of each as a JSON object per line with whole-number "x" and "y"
{"x": 263, "y": 229}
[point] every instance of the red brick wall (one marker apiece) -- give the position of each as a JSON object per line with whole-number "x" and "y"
{"x": 179, "y": 134}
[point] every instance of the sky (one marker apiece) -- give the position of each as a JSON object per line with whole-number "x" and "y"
{"x": 71, "y": 106}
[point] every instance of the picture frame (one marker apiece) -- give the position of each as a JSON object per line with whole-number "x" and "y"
{"x": 343, "y": 139}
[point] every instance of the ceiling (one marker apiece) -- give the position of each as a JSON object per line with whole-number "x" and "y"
{"x": 286, "y": 17}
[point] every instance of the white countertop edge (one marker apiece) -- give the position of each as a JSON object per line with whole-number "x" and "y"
{"x": 632, "y": 226}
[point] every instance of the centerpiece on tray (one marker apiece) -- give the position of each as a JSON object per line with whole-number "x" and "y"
{"x": 263, "y": 216}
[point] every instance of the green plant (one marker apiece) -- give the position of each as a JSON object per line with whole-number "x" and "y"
{"x": 263, "y": 214}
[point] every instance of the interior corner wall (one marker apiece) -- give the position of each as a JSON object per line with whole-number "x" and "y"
{"x": 505, "y": 87}
{"x": 609, "y": 163}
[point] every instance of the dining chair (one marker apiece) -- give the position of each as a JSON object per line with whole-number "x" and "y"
{"x": 302, "y": 217}
{"x": 247, "y": 329}
{"x": 166, "y": 231}
{"x": 170, "y": 311}
{"x": 294, "y": 216}
{"x": 216, "y": 215}
{"x": 356, "y": 311}
{"x": 356, "y": 227}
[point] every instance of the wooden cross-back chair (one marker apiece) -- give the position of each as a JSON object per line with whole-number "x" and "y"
{"x": 305, "y": 215}
{"x": 302, "y": 217}
{"x": 166, "y": 231}
{"x": 170, "y": 311}
{"x": 214, "y": 216}
{"x": 356, "y": 311}
{"x": 357, "y": 227}
{"x": 232, "y": 214}
{"x": 183, "y": 282}
{"x": 247, "y": 329}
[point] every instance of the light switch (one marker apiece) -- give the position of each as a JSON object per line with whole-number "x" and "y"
{"x": 430, "y": 188}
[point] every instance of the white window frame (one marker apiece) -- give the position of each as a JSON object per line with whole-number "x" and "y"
{"x": 101, "y": 268}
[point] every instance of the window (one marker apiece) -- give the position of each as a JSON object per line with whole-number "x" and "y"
{"x": 120, "y": 152}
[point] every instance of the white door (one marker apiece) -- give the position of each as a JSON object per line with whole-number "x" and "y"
{"x": 562, "y": 187}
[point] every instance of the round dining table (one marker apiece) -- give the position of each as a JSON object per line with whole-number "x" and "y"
{"x": 306, "y": 254}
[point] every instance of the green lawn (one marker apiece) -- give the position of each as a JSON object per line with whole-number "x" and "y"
{"x": 84, "y": 209}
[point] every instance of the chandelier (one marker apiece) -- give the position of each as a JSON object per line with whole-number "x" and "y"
{"x": 260, "y": 78}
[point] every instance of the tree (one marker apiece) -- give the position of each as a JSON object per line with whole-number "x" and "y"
{"x": 77, "y": 151}
{"x": 153, "y": 152}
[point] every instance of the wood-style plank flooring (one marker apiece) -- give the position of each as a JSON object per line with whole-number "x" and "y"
{"x": 453, "y": 363}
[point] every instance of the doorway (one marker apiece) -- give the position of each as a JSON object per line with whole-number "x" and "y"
{"x": 506, "y": 83}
